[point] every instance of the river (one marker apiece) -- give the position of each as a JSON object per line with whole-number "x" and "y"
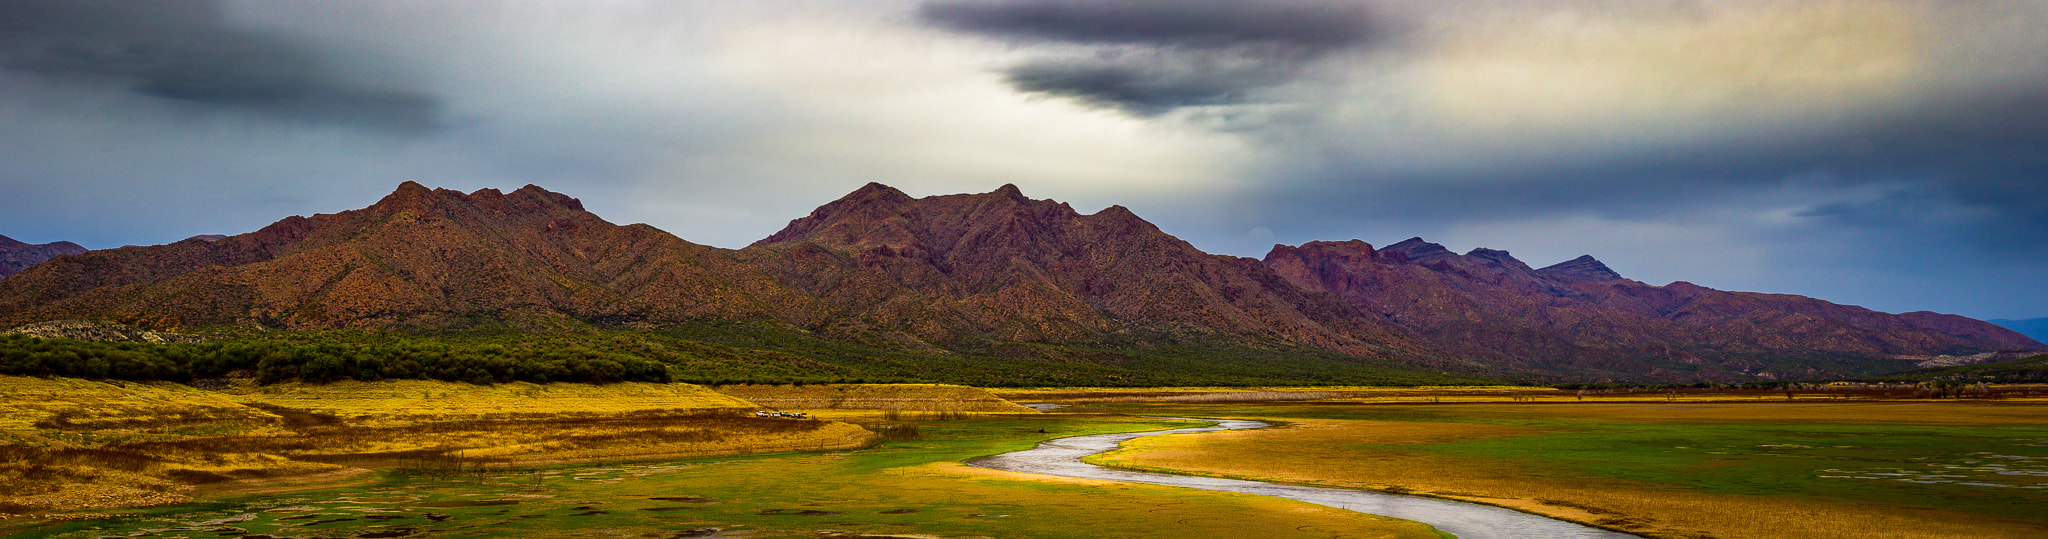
{"x": 1470, "y": 521}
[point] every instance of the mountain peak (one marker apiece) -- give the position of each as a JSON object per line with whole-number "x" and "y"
{"x": 1416, "y": 250}
{"x": 875, "y": 191}
{"x": 1496, "y": 256}
{"x": 409, "y": 193}
{"x": 538, "y": 192}
{"x": 1349, "y": 248}
{"x": 1010, "y": 190}
{"x": 870, "y": 205}
{"x": 1584, "y": 268}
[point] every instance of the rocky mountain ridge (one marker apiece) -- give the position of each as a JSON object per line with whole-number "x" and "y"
{"x": 991, "y": 274}
{"x": 1580, "y": 315}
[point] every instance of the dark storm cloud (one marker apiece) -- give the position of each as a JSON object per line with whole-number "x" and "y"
{"x": 183, "y": 51}
{"x": 1185, "y": 23}
{"x": 1154, "y": 56}
{"x": 1968, "y": 173}
{"x": 1144, "y": 87}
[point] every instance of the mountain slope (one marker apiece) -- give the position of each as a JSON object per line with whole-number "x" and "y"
{"x": 417, "y": 258}
{"x": 2036, "y": 328}
{"x": 974, "y": 281}
{"x": 952, "y": 270}
{"x": 16, "y": 256}
{"x": 1580, "y": 316}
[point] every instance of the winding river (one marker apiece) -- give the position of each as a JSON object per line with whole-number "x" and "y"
{"x": 1466, "y": 520}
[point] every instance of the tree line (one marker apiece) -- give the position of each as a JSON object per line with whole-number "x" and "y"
{"x": 272, "y": 362}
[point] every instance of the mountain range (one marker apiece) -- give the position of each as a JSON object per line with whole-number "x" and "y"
{"x": 994, "y": 274}
{"x": 16, "y": 256}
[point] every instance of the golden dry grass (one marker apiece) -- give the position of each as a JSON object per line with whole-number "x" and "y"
{"x": 1336, "y": 453}
{"x": 73, "y": 443}
{"x": 902, "y": 397}
{"x": 72, "y": 403}
{"x": 405, "y": 401}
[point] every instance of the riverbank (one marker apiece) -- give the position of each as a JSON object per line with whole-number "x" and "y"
{"x": 909, "y": 488}
{"x": 1737, "y": 470}
{"x": 1063, "y": 457}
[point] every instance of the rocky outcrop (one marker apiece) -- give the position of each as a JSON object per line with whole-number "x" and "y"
{"x": 100, "y": 331}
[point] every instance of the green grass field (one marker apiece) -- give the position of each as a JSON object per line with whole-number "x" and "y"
{"x": 1727, "y": 470}
{"x": 914, "y": 487}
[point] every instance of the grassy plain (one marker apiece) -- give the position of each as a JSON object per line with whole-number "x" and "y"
{"x": 1888, "y": 392}
{"x": 1665, "y": 469}
{"x": 70, "y": 443}
{"x": 402, "y": 458}
{"x": 898, "y": 489}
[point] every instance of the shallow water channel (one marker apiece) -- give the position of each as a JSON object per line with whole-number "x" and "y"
{"x": 1466, "y": 520}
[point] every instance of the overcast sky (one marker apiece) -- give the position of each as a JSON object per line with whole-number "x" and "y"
{"x": 1885, "y": 153}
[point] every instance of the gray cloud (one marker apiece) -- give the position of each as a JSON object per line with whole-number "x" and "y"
{"x": 1304, "y": 26}
{"x": 184, "y": 51}
{"x": 1938, "y": 206}
{"x": 1147, "y": 86}
{"x": 1970, "y": 162}
{"x": 1152, "y": 56}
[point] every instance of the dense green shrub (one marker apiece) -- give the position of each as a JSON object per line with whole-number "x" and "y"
{"x": 706, "y": 354}
{"x": 277, "y": 361}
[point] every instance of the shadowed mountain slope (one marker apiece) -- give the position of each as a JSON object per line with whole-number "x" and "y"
{"x": 16, "y": 256}
{"x": 948, "y": 270}
{"x": 1580, "y": 316}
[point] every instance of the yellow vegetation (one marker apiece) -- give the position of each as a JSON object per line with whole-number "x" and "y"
{"x": 402, "y": 401}
{"x": 72, "y": 444}
{"x": 902, "y": 397}
{"x": 86, "y": 404}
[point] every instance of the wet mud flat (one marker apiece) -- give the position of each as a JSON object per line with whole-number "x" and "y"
{"x": 1062, "y": 457}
